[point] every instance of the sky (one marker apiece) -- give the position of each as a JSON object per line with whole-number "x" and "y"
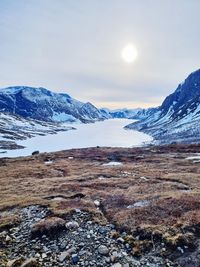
{"x": 75, "y": 46}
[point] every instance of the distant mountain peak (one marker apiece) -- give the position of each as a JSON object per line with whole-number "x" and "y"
{"x": 42, "y": 104}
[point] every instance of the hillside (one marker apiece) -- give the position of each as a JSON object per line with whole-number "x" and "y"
{"x": 44, "y": 105}
{"x": 14, "y": 128}
{"x": 178, "y": 118}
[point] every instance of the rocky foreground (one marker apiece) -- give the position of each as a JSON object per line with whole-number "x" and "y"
{"x": 101, "y": 207}
{"x": 77, "y": 241}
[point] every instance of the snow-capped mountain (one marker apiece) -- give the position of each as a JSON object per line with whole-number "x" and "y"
{"x": 124, "y": 113}
{"x": 42, "y": 104}
{"x": 137, "y": 113}
{"x": 178, "y": 118}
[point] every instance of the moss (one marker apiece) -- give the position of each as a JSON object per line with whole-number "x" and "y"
{"x": 114, "y": 234}
{"x": 48, "y": 226}
{"x": 179, "y": 240}
{"x": 130, "y": 240}
{"x": 141, "y": 247}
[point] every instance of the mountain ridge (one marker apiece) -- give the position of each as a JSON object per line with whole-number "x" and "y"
{"x": 45, "y": 105}
{"x": 178, "y": 117}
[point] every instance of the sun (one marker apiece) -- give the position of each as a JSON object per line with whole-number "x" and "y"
{"x": 129, "y": 53}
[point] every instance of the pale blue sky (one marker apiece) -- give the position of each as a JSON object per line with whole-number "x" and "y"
{"x": 74, "y": 46}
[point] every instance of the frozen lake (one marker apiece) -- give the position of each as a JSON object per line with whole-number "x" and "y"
{"x": 105, "y": 133}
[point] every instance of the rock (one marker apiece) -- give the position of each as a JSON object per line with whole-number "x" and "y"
{"x": 31, "y": 263}
{"x": 8, "y": 238}
{"x": 35, "y": 152}
{"x": 117, "y": 265}
{"x": 3, "y": 234}
{"x": 97, "y": 203}
{"x": 72, "y": 225}
{"x": 44, "y": 255}
{"x": 103, "y": 230}
{"x": 66, "y": 254}
{"x": 114, "y": 256}
{"x": 48, "y": 226}
{"x": 103, "y": 250}
{"x": 120, "y": 240}
{"x": 63, "y": 256}
{"x": 75, "y": 258}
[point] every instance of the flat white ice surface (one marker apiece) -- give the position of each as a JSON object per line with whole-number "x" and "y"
{"x": 104, "y": 133}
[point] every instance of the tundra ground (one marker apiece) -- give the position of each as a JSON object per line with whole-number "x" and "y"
{"x": 151, "y": 193}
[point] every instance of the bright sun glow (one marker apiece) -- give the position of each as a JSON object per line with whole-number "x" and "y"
{"x": 129, "y": 53}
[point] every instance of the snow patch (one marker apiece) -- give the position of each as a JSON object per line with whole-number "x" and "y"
{"x": 112, "y": 163}
{"x": 139, "y": 204}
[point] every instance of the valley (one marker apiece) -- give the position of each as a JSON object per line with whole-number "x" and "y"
{"x": 108, "y": 133}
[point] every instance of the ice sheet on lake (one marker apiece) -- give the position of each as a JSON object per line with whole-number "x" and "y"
{"x": 108, "y": 133}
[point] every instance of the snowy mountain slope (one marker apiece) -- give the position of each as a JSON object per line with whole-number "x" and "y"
{"x": 42, "y": 104}
{"x": 178, "y": 118}
{"x": 124, "y": 113}
{"x": 137, "y": 113}
{"x": 13, "y": 128}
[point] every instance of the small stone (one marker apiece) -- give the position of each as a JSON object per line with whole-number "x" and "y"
{"x": 120, "y": 240}
{"x": 77, "y": 210}
{"x": 81, "y": 245}
{"x": 44, "y": 255}
{"x": 3, "y": 234}
{"x": 8, "y": 238}
{"x": 103, "y": 230}
{"x": 63, "y": 256}
{"x": 107, "y": 259}
{"x": 114, "y": 256}
{"x": 75, "y": 258}
{"x": 72, "y": 225}
{"x": 66, "y": 254}
{"x": 35, "y": 152}
{"x": 97, "y": 203}
{"x": 103, "y": 250}
{"x": 117, "y": 265}
{"x": 180, "y": 249}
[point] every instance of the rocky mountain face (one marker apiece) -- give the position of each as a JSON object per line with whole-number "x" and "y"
{"x": 178, "y": 118}
{"x": 42, "y": 104}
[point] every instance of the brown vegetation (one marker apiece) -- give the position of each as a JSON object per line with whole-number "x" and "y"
{"x": 74, "y": 179}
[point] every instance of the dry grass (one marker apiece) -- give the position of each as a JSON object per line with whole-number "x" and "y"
{"x": 161, "y": 175}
